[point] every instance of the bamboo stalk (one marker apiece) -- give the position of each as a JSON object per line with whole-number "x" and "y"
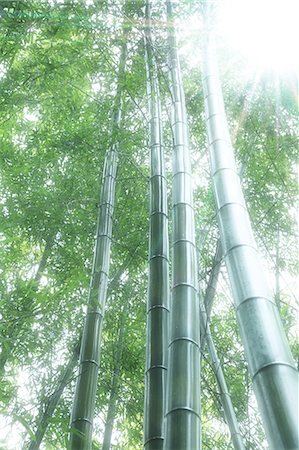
{"x": 112, "y": 407}
{"x": 225, "y": 398}
{"x": 273, "y": 372}
{"x": 68, "y": 371}
{"x": 64, "y": 379}
{"x": 183, "y": 427}
{"x": 85, "y": 394}
{"x": 158, "y": 282}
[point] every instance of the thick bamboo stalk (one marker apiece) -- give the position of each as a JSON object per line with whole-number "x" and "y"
{"x": 183, "y": 381}
{"x": 158, "y": 283}
{"x": 274, "y": 375}
{"x": 85, "y": 394}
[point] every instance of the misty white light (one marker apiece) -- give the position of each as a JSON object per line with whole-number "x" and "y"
{"x": 264, "y": 31}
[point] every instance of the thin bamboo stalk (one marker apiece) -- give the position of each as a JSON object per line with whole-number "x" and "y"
{"x": 158, "y": 283}
{"x": 213, "y": 280}
{"x": 64, "y": 379}
{"x": 183, "y": 426}
{"x": 68, "y": 371}
{"x": 225, "y": 398}
{"x": 112, "y": 407}
{"x": 274, "y": 375}
{"x": 85, "y": 394}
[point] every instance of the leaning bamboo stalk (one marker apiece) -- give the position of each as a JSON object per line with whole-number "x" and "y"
{"x": 85, "y": 394}
{"x": 213, "y": 280}
{"x": 67, "y": 373}
{"x": 274, "y": 375}
{"x": 225, "y": 398}
{"x": 53, "y": 400}
{"x": 206, "y": 338}
{"x": 158, "y": 282}
{"x": 183, "y": 382}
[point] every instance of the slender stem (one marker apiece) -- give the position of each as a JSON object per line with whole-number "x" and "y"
{"x": 225, "y": 398}
{"x": 277, "y": 269}
{"x": 115, "y": 381}
{"x": 43, "y": 262}
{"x": 54, "y": 399}
{"x": 213, "y": 279}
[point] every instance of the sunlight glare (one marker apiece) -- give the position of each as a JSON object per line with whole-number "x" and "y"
{"x": 264, "y": 31}
{"x": 30, "y": 116}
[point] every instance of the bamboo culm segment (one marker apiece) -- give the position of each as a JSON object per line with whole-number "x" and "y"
{"x": 158, "y": 289}
{"x": 183, "y": 381}
{"x": 85, "y": 394}
{"x": 274, "y": 375}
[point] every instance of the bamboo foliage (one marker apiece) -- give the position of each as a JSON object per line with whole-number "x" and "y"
{"x": 183, "y": 385}
{"x": 85, "y": 395}
{"x": 13, "y": 332}
{"x": 274, "y": 375}
{"x": 158, "y": 289}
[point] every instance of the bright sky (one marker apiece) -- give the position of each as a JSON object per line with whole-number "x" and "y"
{"x": 266, "y": 32}
{"x": 263, "y": 33}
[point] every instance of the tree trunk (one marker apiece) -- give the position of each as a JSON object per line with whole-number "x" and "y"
{"x": 85, "y": 394}
{"x": 111, "y": 414}
{"x": 183, "y": 381}
{"x": 269, "y": 358}
{"x": 158, "y": 289}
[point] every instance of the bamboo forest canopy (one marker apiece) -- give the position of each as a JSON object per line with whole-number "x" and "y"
{"x": 63, "y": 88}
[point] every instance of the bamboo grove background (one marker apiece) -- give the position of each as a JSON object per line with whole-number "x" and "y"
{"x": 62, "y": 87}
